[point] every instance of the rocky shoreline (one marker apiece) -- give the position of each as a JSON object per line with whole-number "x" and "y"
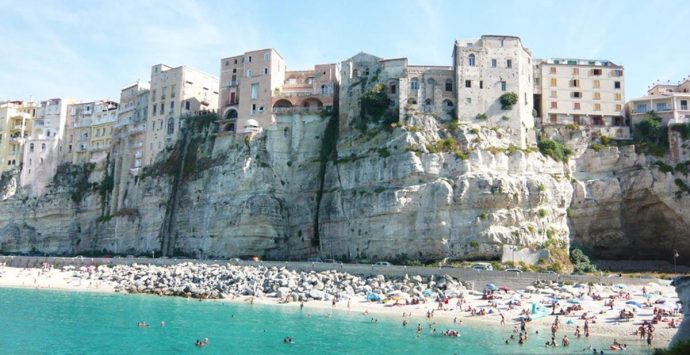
{"x": 228, "y": 281}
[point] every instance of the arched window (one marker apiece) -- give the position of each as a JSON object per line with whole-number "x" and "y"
{"x": 431, "y": 82}
{"x": 427, "y": 102}
{"x": 412, "y": 101}
{"x": 414, "y": 84}
{"x": 471, "y": 60}
{"x": 171, "y": 125}
{"x": 449, "y": 85}
{"x": 324, "y": 89}
{"x": 31, "y": 147}
{"x": 232, "y": 114}
{"x": 43, "y": 147}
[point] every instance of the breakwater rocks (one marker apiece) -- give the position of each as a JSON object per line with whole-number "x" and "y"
{"x": 229, "y": 281}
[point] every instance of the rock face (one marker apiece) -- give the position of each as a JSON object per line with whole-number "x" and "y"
{"x": 682, "y": 285}
{"x": 423, "y": 190}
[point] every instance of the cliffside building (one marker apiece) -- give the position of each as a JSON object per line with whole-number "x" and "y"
{"x": 485, "y": 70}
{"x": 256, "y": 86}
{"x": 88, "y": 131}
{"x": 16, "y": 119}
{"x": 175, "y": 92}
{"x": 41, "y": 158}
{"x": 584, "y": 92}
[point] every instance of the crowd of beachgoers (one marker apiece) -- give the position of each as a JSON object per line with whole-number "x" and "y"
{"x": 646, "y": 314}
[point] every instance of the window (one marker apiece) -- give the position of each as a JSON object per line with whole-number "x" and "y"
{"x": 509, "y": 63}
{"x": 468, "y": 83}
{"x": 619, "y": 107}
{"x": 616, "y": 84}
{"x": 576, "y": 105}
{"x": 577, "y": 94}
{"x": 253, "y": 109}
{"x": 501, "y": 43}
{"x": 481, "y": 84}
{"x": 617, "y": 96}
{"x": 255, "y": 91}
{"x": 249, "y": 59}
{"x": 597, "y": 96}
{"x": 683, "y": 104}
{"x": 554, "y": 93}
{"x": 154, "y": 109}
{"x": 172, "y": 105}
{"x": 617, "y": 72}
{"x": 355, "y": 73}
{"x": 553, "y": 118}
{"x": 162, "y": 108}
{"x": 171, "y": 126}
{"x": 575, "y": 83}
{"x": 641, "y": 108}
{"x": 494, "y": 63}
{"x": 266, "y": 57}
{"x": 661, "y": 106}
{"x": 596, "y": 72}
{"x": 393, "y": 88}
{"x": 597, "y": 107}
{"x": 153, "y": 97}
{"x": 324, "y": 89}
{"x": 471, "y": 60}
{"x": 172, "y": 91}
{"x": 552, "y": 70}
{"x": 504, "y": 86}
{"x": 554, "y": 82}
{"x": 449, "y": 85}
{"x": 468, "y": 100}
{"x": 265, "y": 70}
{"x": 31, "y": 147}
{"x": 576, "y": 71}
{"x": 554, "y": 104}
{"x": 414, "y": 84}
{"x": 249, "y": 73}
{"x": 596, "y": 84}
{"x": 186, "y": 105}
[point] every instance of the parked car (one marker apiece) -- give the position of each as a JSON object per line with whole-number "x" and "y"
{"x": 482, "y": 267}
{"x": 513, "y": 270}
{"x": 330, "y": 261}
{"x": 383, "y": 263}
{"x": 234, "y": 260}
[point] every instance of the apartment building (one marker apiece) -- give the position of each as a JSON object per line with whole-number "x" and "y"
{"x": 88, "y": 131}
{"x": 670, "y": 102}
{"x": 174, "y": 94}
{"x": 586, "y": 92}
{"x": 256, "y": 86}
{"x": 16, "y": 120}
{"x": 40, "y": 159}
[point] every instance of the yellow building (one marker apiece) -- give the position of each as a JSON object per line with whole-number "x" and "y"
{"x": 15, "y": 126}
{"x": 88, "y": 131}
{"x": 585, "y": 92}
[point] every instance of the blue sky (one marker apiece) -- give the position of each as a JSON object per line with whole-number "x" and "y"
{"x": 91, "y": 49}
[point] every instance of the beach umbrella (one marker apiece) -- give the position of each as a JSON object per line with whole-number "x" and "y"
{"x": 426, "y": 293}
{"x": 491, "y": 287}
{"x": 647, "y": 295}
{"x": 373, "y": 297}
{"x": 634, "y": 303}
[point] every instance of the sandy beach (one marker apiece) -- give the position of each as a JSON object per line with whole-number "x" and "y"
{"x": 606, "y": 321}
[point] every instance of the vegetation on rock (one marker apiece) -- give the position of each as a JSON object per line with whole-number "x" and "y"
{"x": 555, "y": 149}
{"x": 508, "y": 100}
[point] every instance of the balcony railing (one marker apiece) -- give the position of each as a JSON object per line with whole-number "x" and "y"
{"x": 284, "y": 110}
{"x": 231, "y": 103}
{"x": 296, "y": 94}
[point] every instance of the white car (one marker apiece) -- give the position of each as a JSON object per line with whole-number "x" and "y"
{"x": 383, "y": 263}
{"x": 513, "y": 270}
{"x": 482, "y": 266}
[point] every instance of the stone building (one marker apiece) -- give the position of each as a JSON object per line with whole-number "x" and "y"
{"x": 88, "y": 131}
{"x": 256, "y": 86}
{"x": 487, "y": 69}
{"x": 584, "y": 92}
{"x": 41, "y": 159}
{"x": 410, "y": 88}
{"x": 16, "y": 119}
{"x": 175, "y": 93}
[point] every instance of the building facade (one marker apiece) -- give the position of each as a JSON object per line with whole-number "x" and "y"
{"x": 16, "y": 121}
{"x": 88, "y": 132}
{"x": 41, "y": 158}
{"x": 487, "y": 69}
{"x": 584, "y": 92}
{"x": 256, "y": 86}
{"x": 174, "y": 94}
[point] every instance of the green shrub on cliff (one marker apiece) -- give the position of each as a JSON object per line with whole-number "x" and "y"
{"x": 555, "y": 149}
{"x": 581, "y": 262}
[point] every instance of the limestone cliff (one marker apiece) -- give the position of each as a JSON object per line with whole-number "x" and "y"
{"x": 424, "y": 189}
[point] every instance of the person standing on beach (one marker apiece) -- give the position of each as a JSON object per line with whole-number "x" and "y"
{"x": 503, "y": 319}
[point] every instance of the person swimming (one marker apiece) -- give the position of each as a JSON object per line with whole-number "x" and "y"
{"x": 288, "y": 340}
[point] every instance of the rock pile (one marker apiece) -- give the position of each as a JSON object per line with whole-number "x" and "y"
{"x": 228, "y": 281}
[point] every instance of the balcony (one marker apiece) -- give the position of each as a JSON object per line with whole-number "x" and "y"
{"x": 136, "y": 129}
{"x": 296, "y": 94}
{"x": 15, "y": 140}
{"x": 289, "y": 110}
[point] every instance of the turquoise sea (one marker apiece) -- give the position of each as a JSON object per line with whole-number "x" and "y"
{"x": 52, "y": 322}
